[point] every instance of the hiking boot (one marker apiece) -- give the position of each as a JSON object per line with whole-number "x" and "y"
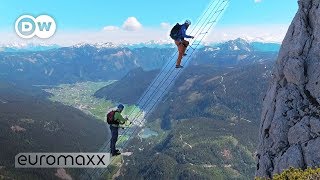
{"x": 179, "y": 66}
{"x": 116, "y": 153}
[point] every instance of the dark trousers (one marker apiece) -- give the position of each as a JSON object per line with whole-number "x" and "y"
{"x": 114, "y": 139}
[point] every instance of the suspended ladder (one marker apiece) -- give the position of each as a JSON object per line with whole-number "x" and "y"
{"x": 165, "y": 79}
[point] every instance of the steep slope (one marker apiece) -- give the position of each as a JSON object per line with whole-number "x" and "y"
{"x": 207, "y": 125}
{"x": 213, "y": 92}
{"x": 196, "y": 148}
{"x": 290, "y": 120}
{"x": 31, "y": 123}
{"x": 234, "y": 53}
{"x": 132, "y": 84}
{"x": 218, "y": 93}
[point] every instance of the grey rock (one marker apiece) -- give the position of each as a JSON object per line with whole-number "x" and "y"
{"x": 294, "y": 71}
{"x": 293, "y": 117}
{"x": 315, "y": 125}
{"x": 300, "y": 132}
{"x": 290, "y": 123}
{"x": 278, "y": 132}
{"x": 265, "y": 166}
{"x": 311, "y": 153}
{"x": 292, "y": 157}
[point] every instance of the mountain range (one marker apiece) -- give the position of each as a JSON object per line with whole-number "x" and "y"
{"x": 33, "y": 47}
{"x": 16, "y": 47}
{"x": 207, "y": 123}
{"x": 99, "y": 62}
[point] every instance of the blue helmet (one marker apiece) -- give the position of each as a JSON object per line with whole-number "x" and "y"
{"x": 188, "y": 22}
{"x": 120, "y": 106}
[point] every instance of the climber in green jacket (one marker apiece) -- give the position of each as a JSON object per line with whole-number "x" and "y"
{"x": 115, "y": 119}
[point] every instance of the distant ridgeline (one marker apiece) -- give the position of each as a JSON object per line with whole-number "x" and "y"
{"x": 100, "y": 63}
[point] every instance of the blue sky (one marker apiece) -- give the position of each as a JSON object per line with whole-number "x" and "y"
{"x": 81, "y": 17}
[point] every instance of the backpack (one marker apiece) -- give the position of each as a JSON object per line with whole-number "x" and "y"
{"x": 174, "y": 33}
{"x": 110, "y": 118}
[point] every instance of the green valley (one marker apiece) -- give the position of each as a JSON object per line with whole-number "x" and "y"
{"x": 80, "y": 96}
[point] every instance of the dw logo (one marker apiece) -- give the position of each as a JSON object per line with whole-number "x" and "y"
{"x": 43, "y": 26}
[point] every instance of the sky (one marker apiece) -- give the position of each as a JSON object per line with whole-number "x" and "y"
{"x": 134, "y": 21}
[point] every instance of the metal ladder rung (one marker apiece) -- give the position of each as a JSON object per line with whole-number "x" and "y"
{"x": 220, "y": 10}
{"x": 217, "y": 12}
{"x": 203, "y": 33}
{"x": 192, "y": 47}
{"x": 212, "y": 22}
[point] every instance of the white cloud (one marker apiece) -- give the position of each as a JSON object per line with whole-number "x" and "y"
{"x": 132, "y": 24}
{"x": 111, "y": 28}
{"x": 257, "y": 1}
{"x": 165, "y": 25}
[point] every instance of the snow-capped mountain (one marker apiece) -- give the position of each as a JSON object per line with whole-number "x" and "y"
{"x": 151, "y": 44}
{"x": 236, "y": 45}
{"x": 16, "y": 47}
{"x": 148, "y": 44}
{"x": 245, "y": 45}
{"x": 25, "y": 47}
{"x": 97, "y": 45}
{"x": 104, "y": 61}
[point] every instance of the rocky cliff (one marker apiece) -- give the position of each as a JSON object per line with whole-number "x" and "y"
{"x": 290, "y": 120}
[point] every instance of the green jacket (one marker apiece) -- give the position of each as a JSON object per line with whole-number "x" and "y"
{"x": 118, "y": 117}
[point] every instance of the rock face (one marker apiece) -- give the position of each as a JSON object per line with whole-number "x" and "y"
{"x": 290, "y": 120}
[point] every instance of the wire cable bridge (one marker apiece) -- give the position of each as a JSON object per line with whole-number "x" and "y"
{"x": 164, "y": 80}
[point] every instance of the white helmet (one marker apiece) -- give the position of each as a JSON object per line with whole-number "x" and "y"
{"x": 188, "y": 22}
